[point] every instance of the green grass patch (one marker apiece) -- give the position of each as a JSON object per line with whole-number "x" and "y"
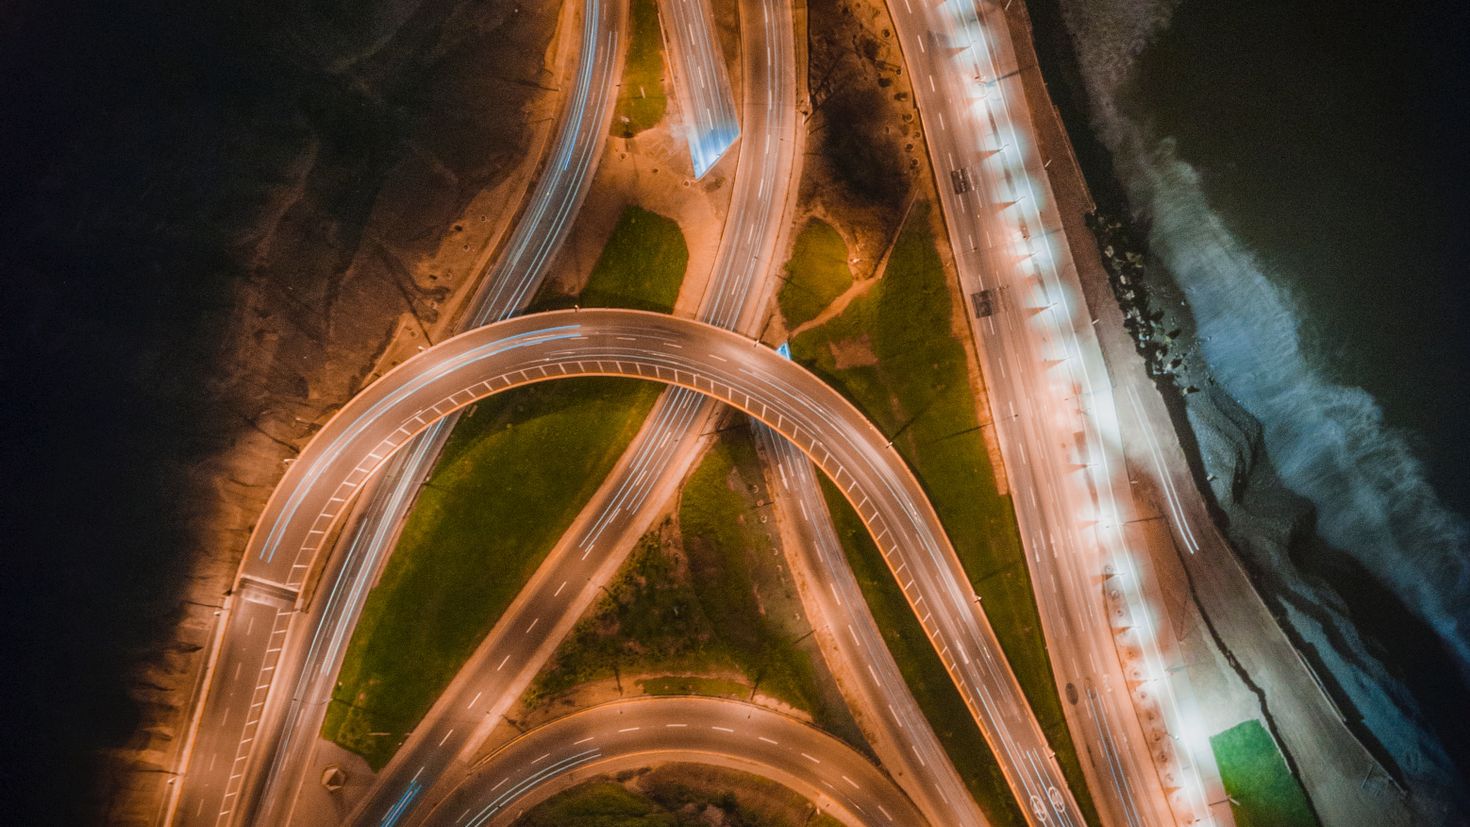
{"x": 729, "y": 553}
{"x": 816, "y": 274}
{"x": 513, "y": 475}
{"x": 650, "y": 620}
{"x": 642, "y": 265}
{"x": 1263, "y": 791}
{"x": 893, "y": 354}
{"x": 699, "y": 610}
{"x": 695, "y": 685}
{"x": 641, "y": 100}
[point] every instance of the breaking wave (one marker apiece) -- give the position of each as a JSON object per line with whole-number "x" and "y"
{"x": 1327, "y": 441}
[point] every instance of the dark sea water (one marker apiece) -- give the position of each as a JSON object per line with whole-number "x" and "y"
{"x": 1301, "y": 168}
{"x": 1331, "y": 137}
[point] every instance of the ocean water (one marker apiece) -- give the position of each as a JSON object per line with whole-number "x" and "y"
{"x": 1300, "y": 170}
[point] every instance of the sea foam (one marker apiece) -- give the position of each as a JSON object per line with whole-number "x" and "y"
{"x": 1327, "y": 441}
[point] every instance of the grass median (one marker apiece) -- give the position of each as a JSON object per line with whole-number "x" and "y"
{"x": 816, "y": 274}
{"x": 514, "y": 474}
{"x": 922, "y": 670}
{"x": 641, "y": 100}
{"x": 678, "y": 795}
{"x": 696, "y": 609}
{"x": 895, "y": 351}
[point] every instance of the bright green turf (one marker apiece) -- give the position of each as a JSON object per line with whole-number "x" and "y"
{"x": 1264, "y": 792}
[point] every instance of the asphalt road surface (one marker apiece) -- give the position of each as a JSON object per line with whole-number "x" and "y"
{"x": 901, "y": 736}
{"x": 736, "y": 371}
{"x": 1052, "y": 400}
{"x": 706, "y": 107}
{"x": 269, "y": 746}
{"x": 735, "y": 294}
{"x": 630, "y": 734}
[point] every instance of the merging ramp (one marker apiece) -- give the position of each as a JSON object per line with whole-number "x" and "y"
{"x": 701, "y": 83}
{"x": 735, "y": 370}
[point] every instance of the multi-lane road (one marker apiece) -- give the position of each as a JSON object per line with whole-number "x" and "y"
{"x": 629, "y": 734}
{"x": 1052, "y": 400}
{"x": 739, "y": 372}
{"x": 251, "y": 742}
{"x": 241, "y": 745}
{"x": 870, "y": 679}
{"x": 735, "y": 294}
{"x": 706, "y": 107}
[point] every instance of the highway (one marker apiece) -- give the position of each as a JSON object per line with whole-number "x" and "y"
{"x": 1055, "y": 418}
{"x": 1040, "y": 362}
{"x": 735, "y": 294}
{"x": 275, "y": 739}
{"x": 706, "y": 107}
{"x": 870, "y": 679}
{"x": 630, "y": 734}
{"x": 739, "y": 372}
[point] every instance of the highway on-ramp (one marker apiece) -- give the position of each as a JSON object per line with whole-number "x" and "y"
{"x": 630, "y": 734}
{"x": 870, "y": 679}
{"x": 737, "y": 371}
{"x": 705, "y": 106}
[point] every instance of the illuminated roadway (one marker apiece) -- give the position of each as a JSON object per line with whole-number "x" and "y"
{"x": 1052, "y": 401}
{"x": 365, "y": 433}
{"x": 736, "y": 294}
{"x": 261, "y": 614}
{"x": 233, "y": 737}
{"x": 630, "y": 734}
{"x": 706, "y": 107}
{"x": 899, "y": 733}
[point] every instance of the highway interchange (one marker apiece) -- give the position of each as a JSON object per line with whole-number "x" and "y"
{"x": 266, "y": 736}
{"x": 735, "y": 370}
{"x": 228, "y": 734}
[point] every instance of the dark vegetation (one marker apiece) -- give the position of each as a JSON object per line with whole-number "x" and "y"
{"x": 677, "y": 795}
{"x": 698, "y": 611}
{"x": 863, "y": 120}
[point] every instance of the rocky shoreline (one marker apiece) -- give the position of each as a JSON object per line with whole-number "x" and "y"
{"x": 1271, "y": 528}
